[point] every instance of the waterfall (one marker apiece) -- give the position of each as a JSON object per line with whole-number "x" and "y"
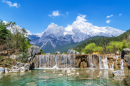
{"x": 112, "y": 66}
{"x": 105, "y": 63}
{"x": 100, "y": 62}
{"x": 121, "y": 63}
{"x": 90, "y": 60}
{"x": 69, "y": 61}
{"x": 54, "y": 61}
{"x": 116, "y": 57}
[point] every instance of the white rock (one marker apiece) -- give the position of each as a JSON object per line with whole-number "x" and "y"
{"x": 60, "y": 74}
{"x": 68, "y": 71}
{"x": 6, "y": 70}
{"x": 2, "y": 70}
{"x": 68, "y": 75}
{"x": 14, "y": 69}
{"x": 77, "y": 73}
{"x": 22, "y": 69}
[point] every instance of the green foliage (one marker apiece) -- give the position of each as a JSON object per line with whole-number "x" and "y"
{"x": 42, "y": 51}
{"x": 125, "y": 45}
{"x": 24, "y": 46}
{"x": 98, "y": 49}
{"x": 109, "y": 49}
{"x": 23, "y": 58}
{"x": 89, "y": 48}
{"x": 3, "y": 31}
{"x": 8, "y": 61}
{"x": 112, "y": 47}
{"x": 18, "y": 39}
{"x": 1, "y": 57}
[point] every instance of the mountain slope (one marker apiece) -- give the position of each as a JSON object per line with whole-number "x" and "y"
{"x": 100, "y": 41}
{"x": 57, "y": 36}
{"x": 49, "y": 49}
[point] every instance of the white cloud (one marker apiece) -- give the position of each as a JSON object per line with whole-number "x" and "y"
{"x": 67, "y": 13}
{"x": 109, "y": 16}
{"x": 81, "y": 18}
{"x": 108, "y": 21}
{"x": 11, "y": 4}
{"x": 120, "y": 14}
{"x": 55, "y": 13}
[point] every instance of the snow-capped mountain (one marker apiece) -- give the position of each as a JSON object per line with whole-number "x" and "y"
{"x": 57, "y": 36}
{"x": 80, "y": 30}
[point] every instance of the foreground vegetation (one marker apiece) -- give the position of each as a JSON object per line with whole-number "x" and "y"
{"x": 13, "y": 40}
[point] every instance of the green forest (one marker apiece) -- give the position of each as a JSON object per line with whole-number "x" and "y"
{"x": 105, "y": 44}
{"x": 13, "y": 41}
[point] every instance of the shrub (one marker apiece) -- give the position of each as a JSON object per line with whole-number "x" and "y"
{"x": 23, "y": 58}
{"x": 1, "y": 57}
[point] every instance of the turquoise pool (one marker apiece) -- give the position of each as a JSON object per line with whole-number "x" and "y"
{"x": 52, "y": 77}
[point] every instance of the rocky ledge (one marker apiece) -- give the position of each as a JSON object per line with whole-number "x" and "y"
{"x": 19, "y": 67}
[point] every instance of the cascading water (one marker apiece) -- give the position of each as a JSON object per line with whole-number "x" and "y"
{"x": 74, "y": 61}
{"x": 112, "y": 66}
{"x": 105, "y": 63}
{"x": 116, "y": 57}
{"x": 121, "y": 64}
{"x": 54, "y": 61}
{"x": 90, "y": 60}
{"x": 100, "y": 62}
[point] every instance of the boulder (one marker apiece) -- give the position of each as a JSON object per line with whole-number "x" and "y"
{"x": 6, "y": 70}
{"x": 34, "y": 50}
{"x": 14, "y": 69}
{"x": 14, "y": 56}
{"x": 127, "y": 59}
{"x": 29, "y": 59}
{"x": 22, "y": 69}
{"x": 57, "y": 52}
{"x": 124, "y": 52}
{"x": 71, "y": 51}
{"x": 27, "y": 66}
{"x": 18, "y": 64}
{"x": 2, "y": 70}
{"x": 118, "y": 73}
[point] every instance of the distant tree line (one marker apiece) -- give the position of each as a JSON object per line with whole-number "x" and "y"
{"x": 105, "y": 44}
{"x": 112, "y": 47}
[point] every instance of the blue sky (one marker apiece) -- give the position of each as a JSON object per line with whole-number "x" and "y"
{"x": 36, "y": 15}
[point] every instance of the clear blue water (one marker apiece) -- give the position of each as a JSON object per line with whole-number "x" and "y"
{"x": 46, "y": 77}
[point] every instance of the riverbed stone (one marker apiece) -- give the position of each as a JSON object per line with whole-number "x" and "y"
{"x": 22, "y": 69}
{"x": 118, "y": 73}
{"x": 14, "y": 69}
{"x": 27, "y": 66}
{"x": 6, "y": 70}
{"x": 18, "y": 64}
{"x": 71, "y": 51}
{"x": 2, "y": 70}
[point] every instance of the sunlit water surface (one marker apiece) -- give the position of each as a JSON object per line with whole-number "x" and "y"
{"x": 51, "y": 77}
